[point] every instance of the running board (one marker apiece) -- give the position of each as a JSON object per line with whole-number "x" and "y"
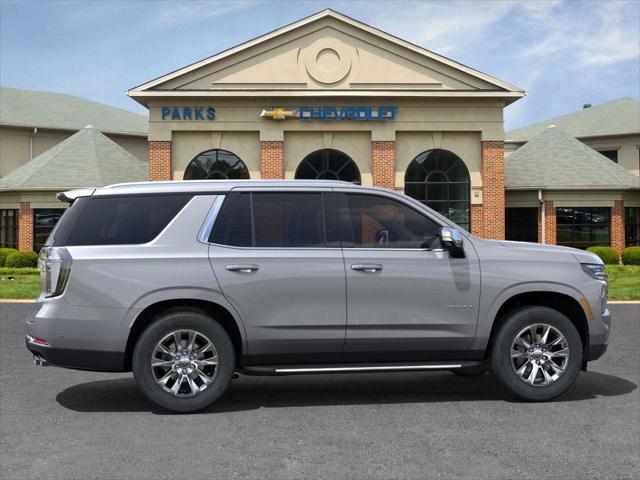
{"x": 354, "y": 368}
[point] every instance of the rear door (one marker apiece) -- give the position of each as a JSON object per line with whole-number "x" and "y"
{"x": 278, "y": 261}
{"x": 406, "y": 298}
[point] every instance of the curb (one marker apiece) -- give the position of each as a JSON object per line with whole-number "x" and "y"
{"x": 624, "y": 302}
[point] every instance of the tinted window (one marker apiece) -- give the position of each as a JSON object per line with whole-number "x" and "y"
{"x": 379, "y": 222}
{"x": 277, "y": 220}
{"x": 44, "y": 220}
{"x": 521, "y": 224}
{"x": 582, "y": 227}
{"x": 117, "y": 220}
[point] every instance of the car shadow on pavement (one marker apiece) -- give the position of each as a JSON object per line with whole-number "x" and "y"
{"x": 249, "y": 393}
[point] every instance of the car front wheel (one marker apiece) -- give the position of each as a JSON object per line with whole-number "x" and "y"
{"x": 183, "y": 361}
{"x": 537, "y": 353}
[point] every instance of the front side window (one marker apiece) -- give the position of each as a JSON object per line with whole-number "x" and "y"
{"x": 117, "y": 220}
{"x": 440, "y": 179}
{"x": 521, "y": 224}
{"x": 583, "y": 227}
{"x": 44, "y": 219}
{"x": 216, "y": 164}
{"x": 369, "y": 221}
{"x": 632, "y": 226}
{"x": 271, "y": 220}
{"x": 9, "y": 228}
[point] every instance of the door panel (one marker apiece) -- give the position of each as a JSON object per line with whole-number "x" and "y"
{"x": 293, "y": 306}
{"x": 276, "y": 258}
{"x": 407, "y": 303}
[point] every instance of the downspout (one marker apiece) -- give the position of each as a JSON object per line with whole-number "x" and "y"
{"x": 542, "y": 216}
{"x": 33, "y": 134}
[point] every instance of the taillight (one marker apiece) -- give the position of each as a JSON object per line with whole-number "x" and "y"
{"x": 54, "y": 264}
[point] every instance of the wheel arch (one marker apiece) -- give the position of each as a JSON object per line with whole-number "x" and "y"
{"x": 217, "y": 311}
{"x": 562, "y": 302}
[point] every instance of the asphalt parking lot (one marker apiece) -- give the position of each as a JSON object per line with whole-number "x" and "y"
{"x": 65, "y": 424}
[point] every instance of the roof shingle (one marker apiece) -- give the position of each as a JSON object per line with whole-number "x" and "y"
{"x": 85, "y": 159}
{"x": 61, "y": 111}
{"x": 553, "y": 159}
{"x": 618, "y": 117}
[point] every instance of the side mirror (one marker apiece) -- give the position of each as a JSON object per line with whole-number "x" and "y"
{"x": 452, "y": 241}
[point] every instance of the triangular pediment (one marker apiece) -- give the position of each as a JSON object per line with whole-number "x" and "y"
{"x": 327, "y": 52}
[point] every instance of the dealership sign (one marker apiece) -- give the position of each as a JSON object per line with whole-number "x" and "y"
{"x": 188, "y": 113}
{"x": 365, "y": 113}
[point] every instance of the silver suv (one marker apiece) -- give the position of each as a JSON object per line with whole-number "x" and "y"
{"x": 188, "y": 283}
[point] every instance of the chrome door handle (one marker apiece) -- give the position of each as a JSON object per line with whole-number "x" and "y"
{"x": 367, "y": 267}
{"x": 242, "y": 268}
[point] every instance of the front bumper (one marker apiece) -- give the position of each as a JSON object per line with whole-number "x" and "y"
{"x": 599, "y": 334}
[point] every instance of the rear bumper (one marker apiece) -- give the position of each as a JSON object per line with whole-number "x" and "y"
{"x": 78, "y": 359}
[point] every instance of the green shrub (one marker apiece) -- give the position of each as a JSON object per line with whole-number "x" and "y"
{"x": 4, "y": 253}
{"x": 631, "y": 256}
{"x": 607, "y": 254}
{"x": 21, "y": 260}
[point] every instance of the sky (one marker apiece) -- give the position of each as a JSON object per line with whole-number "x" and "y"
{"x": 564, "y": 53}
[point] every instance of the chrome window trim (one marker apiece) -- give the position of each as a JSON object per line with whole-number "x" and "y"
{"x": 207, "y": 226}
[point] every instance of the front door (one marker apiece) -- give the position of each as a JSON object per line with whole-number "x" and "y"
{"x": 276, "y": 263}
{"x": 406, "y": 298}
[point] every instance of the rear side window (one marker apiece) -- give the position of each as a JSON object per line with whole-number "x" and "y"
{"x": 117, "y": 220}
{"x": 271, "y": 220}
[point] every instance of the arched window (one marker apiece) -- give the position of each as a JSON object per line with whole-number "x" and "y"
{"x": 216, "y": 164}
{"x": 440, "y": 179}
{"x": 328, "y": 164}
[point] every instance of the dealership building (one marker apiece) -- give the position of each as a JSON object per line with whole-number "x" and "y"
{"x": 329, "y": 97}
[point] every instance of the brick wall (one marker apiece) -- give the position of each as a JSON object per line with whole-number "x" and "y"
{"x": 617, "y": 226}
{"x": 477, "y": 220}
{"x": 550, "y": 223}
{"x": 493, "y": 189}
{"x": 160, "y": 160}
{"x": 383, "y": 164}
{"x": 25, "y": 227}
{"x": 271, "y": 159}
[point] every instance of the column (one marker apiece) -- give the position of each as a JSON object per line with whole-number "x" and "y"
{"x": 271, "y": 159}
{"x": 25, "y": 227}
{"x": 160, "y": 161}
{"x": 383, "y": 163}
{"x": 493, "y": 189}
{"x": 617, "y": 226}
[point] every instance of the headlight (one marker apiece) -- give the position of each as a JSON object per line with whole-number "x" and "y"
{"x": 595, "y": 270}
{"x": 54, "y": 264}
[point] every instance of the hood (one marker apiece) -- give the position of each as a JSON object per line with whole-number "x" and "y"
{"x": 581, "y": 256}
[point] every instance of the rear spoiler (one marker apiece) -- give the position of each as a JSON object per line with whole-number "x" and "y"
{"x": 70, "y": 195}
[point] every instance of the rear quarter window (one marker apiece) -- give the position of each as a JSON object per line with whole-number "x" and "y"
{"x": 117, "y": 220}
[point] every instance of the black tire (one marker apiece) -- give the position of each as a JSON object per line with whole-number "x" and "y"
{"x": 166, "y": 323}
{"x": 500, "y": 355}
{"x": 470, "y": 371}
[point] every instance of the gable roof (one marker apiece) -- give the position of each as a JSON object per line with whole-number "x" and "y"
{"x": 86, "y": 159}
{"x": 494, "y": 87}
{"x": 551, "y": 159}
{"x": 61, "y": 111}
{"x": 618, "y": 117}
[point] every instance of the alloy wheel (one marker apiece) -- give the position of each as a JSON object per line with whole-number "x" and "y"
{"x": 184, "y": 362}
{"x": 539, "y": 354}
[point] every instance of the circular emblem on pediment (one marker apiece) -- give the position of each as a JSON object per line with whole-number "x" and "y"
{"x": 328, "y": 61}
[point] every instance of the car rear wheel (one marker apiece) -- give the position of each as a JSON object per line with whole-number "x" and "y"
{"x": 183, "y": 361}
{"x": 537, "y": 353}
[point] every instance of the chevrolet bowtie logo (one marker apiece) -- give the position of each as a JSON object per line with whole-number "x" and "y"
{"x": 278, "y": 113}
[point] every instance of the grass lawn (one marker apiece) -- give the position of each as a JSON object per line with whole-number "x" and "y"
{"x": 19, "y": 283}
{"x": 624, "y": 282}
